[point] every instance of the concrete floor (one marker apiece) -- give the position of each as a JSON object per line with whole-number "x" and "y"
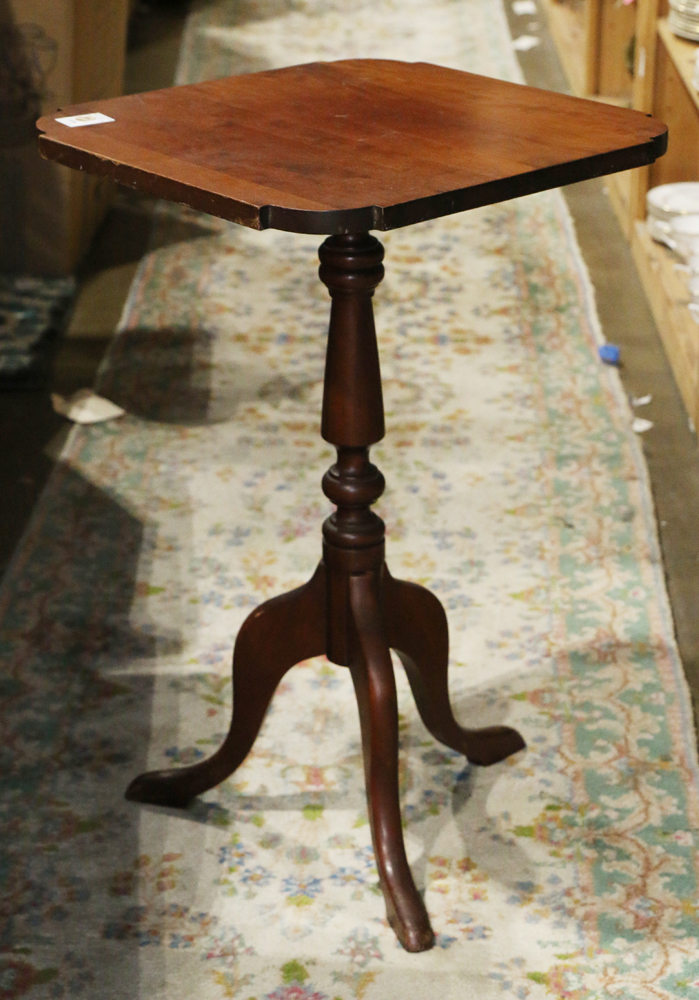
{"x": 30, "y": 432}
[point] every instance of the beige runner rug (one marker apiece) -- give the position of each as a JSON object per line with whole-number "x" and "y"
{"x": 516, "y": 492}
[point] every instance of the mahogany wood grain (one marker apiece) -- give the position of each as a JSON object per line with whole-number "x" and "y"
{"x": 418, "y": 631}
{"x": 375, "y": 685}
{"x": 352, "y": 609}
{"x": 353, "y": 419}
{"x": 352, "y": 145}
{"x": 273, "y": 638}
{"x": 340, "y": 148}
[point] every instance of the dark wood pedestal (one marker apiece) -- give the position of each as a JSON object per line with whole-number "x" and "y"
{"x": 342, "y": 148}
{"x": 352, "y": 609}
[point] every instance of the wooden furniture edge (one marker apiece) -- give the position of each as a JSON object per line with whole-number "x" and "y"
{"x": 627, "y": 191}
{"x": 593, "y": 22}
{"x": 668, "y": 299}
{"x": 681, "y": 52}
{"x": 361, "y": 218}
{"x": 579, "y": 36}
{"x": 564, "y": 24}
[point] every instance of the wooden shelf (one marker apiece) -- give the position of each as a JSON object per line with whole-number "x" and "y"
{"x": 676, "y": 102}
{"x": 682, "y": 53}
{"x": 566, "y": 21}
{"x": 615, "y": 44}
{"x": 592, "y": 39}
{"x": 666, "y": 289}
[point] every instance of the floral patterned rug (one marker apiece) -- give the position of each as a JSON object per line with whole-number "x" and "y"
{"x": 516, "y": 491}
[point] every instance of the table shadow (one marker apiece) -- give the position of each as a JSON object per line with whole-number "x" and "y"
{"x": 72, "y": 736}
{"x": 462, "y": 801}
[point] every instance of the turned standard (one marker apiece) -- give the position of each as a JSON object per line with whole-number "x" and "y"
{"x": 339, "y": 149}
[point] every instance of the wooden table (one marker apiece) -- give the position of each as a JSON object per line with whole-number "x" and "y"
{"x": 341, "y": 148}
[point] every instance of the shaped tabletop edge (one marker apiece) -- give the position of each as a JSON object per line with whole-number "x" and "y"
{"x": 262, "y": 206}
{"x": 362, "y": 218}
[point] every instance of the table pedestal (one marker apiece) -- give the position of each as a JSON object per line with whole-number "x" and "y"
{"x": 352, "y": 609}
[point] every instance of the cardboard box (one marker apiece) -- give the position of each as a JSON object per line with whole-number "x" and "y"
{"x": 53, "y": 53}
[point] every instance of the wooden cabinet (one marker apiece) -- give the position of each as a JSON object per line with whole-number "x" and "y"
{"x": 671, "y": 97}
{"x": 613, "y": 54}
{"x": 59, "y": 52}
{"x": 595, "y": 39}
{"x": 667, "y": 92}
{"x": 567, "y": 23}
{"x": 677, "y": 102}
{"x": 595, "y": 42}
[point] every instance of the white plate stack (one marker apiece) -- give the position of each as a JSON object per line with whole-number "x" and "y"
{"x": 673, "y": 219}
{"x": 684, "y": 19}
{"x": 671, "y": 204}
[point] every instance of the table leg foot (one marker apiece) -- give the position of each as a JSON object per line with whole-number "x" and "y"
{"x": 372, "y": 674}
{"x": 279, "y": 634}
{"x": 417, "y": 630}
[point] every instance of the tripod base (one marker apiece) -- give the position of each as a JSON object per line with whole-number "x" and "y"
{"x": 352, "y": 609}
{"x": 384, "y": 613}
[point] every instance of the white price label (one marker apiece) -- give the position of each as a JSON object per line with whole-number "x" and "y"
{"x": 78, "y": 121}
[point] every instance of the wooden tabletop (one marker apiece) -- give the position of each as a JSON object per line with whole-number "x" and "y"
{"x": 350, "y": 146}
